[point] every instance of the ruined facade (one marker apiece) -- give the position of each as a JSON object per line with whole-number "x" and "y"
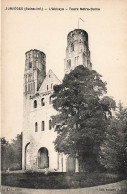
{"x": 38, "y": 135}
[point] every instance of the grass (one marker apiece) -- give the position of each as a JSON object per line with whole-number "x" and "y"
{"x": 38, "y": 180}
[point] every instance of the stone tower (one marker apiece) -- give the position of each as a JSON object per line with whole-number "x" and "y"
{"x": 38, "y": 150}
{"x": 34, "y": 74}
{"x": 35, "y": 71}
{"x": 77, "y": 51}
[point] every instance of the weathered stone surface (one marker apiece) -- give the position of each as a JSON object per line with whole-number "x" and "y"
{"x": 38, "y": 87}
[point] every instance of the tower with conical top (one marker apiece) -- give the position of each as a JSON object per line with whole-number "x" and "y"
{"x": 77, "y": 51}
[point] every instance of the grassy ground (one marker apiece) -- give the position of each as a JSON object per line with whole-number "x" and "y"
{"x": 38, "y": 180}
{"x": 113, "y": 188}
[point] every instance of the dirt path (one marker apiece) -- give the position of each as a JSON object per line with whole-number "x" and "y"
{"x": 115, "y": 188}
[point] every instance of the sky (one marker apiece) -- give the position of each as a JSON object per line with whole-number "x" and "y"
{"x": 47, "y": 31}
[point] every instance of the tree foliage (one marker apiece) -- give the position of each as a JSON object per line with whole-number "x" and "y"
{"x": 11, "y": 153}
{"x": 83, "y": 113}
{"x": 114, "y": 147}
{"x": 4, "y": 153}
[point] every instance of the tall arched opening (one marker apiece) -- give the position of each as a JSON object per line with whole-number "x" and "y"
{"x": 70, "y": 164}
{"x": 26, "y": 155}
{"x": 43, "y": 158}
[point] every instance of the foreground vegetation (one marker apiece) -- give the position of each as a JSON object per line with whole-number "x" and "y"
{"x": 38, "y": 180}
{"x": 11, "y": 153}
{"x": 89, "y": 124}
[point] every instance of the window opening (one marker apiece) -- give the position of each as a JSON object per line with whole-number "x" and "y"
{"x": 35, "y": 103}
{"x": 42, "y": 102}
{"x": 50, "y": 125}
{"x": 36, "y": 127}
{"x": 50, "y": 100}
{"x": 30, "y": 65}
{"x": 42, "y": 125}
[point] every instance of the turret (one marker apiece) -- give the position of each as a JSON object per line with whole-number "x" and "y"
{"x": 35, "y": 71}
{"x": 77, "y": 51}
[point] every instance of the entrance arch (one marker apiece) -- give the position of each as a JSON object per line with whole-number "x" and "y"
{"x": 70, "y": 164}
{"x": 26, "y": 155}
{"x": 43, "y": 158}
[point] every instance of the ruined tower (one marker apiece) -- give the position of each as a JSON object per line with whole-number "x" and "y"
{"x": 38, "y": 134}
{"x": 77, "y": 51}
{"x": 38, "y": 151}
{"x": 35, "y": 71}
{"x": 34, "y": 74}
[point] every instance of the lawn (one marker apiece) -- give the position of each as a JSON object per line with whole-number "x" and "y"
{"x": 38, "y": 180}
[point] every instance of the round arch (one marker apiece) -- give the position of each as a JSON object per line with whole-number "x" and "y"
{"x": 43, "y": 158}
{"x": 26, "y": 149}
{"x": 70, "y": 164}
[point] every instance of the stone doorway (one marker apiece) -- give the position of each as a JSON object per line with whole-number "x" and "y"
{"x": 27, "y": 156}
{"x": 70, "y": 164}
{"x": 43, "y": 158}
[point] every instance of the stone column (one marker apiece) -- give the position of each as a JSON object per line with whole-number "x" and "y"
{"x": 58, "y": 160}
{"x": 37, "y": 162}
{"x": 23, "y": 157}
{"x": 76, "y": 164}
{"x": 62, "y": 161}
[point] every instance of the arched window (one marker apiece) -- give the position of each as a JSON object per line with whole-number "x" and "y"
{"x": 50, "y": 124}
{"x": 25, "y": 78}
{"x": 72, "y": 47}
{"x": 50, "y": 100}
{"x": 80, "y": 41}
{"x": 69, "y": 64}
{"x": 28, "y": 88}
{"x": 34, "y": 86}
{"x": 30, "y": 65}
{"x": 42, "y": 102}
{"x": 36, "y": 127}
{"x": 47, "y": 87}
{"x": 28, "y": 77}
{"x": 77, "y": 60}
{"x": 42, "y": 125}
{"x": 51, "y": 86}
{"x": 35, "y": 103}
{"x": 31, "y": 86}
{"x": 25, "y": 88}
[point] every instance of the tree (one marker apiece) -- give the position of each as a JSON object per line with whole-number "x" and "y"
{"x": 16, "y": 153}
{"x": 4, "y": 153}
{"x": 82, "y": 113}
{"x": 114, "y": 147}
{"x": 11, "y": 153}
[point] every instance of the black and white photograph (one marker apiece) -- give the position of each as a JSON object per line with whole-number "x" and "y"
{"x": 64, "y": 97}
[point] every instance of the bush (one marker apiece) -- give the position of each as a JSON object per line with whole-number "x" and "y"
{"x": 57, "y": 180}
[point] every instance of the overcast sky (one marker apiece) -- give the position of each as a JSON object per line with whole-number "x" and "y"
{"x": 47, "y": 31}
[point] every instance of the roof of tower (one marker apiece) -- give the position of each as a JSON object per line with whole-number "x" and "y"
{"x": 35, "y": 50}
{"x": 77, "y": 31}
{"x": 50, "y": 78}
